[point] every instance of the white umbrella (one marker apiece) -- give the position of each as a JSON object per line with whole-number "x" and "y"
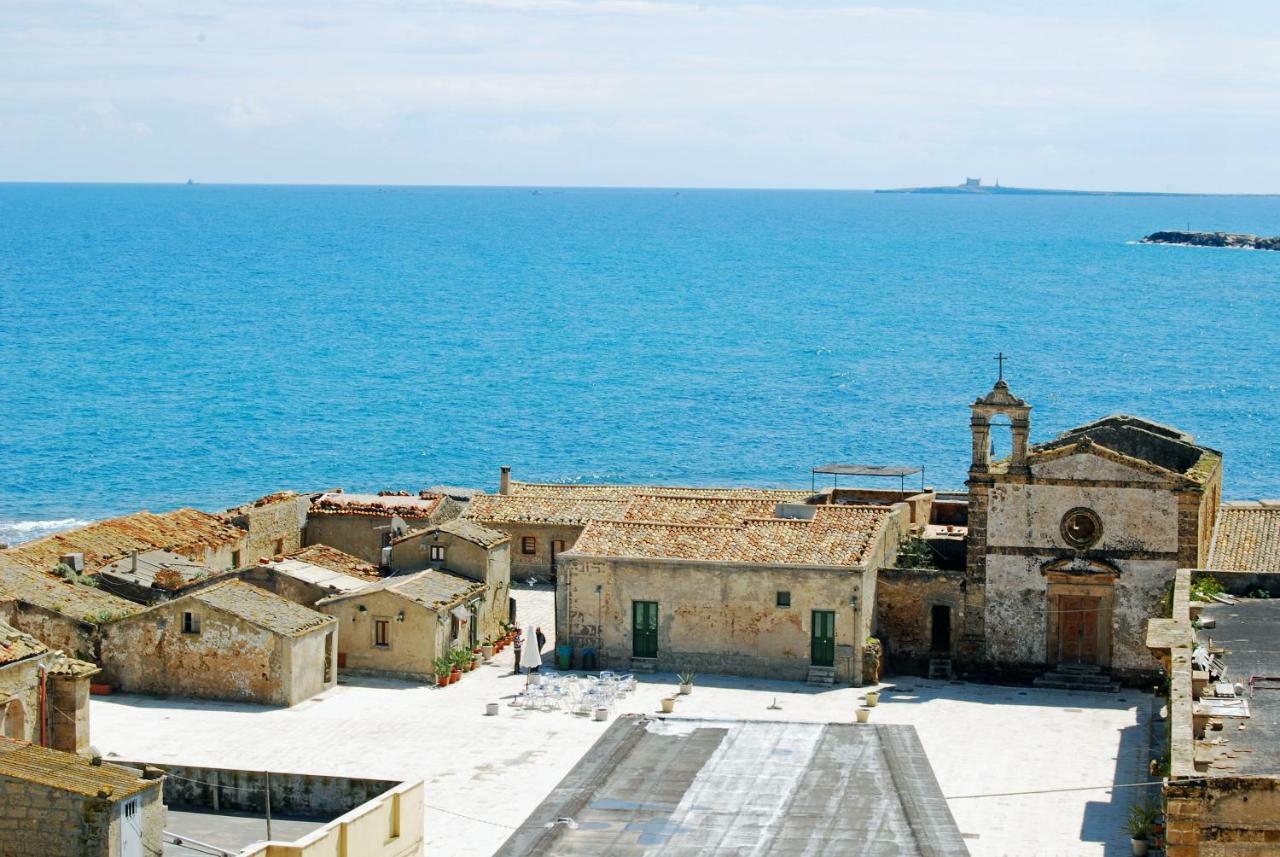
{"x": 530, "y": 655}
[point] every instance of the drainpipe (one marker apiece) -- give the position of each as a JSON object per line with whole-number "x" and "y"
{"x": 504, "y": 481}
{"x": 44, "y": 708}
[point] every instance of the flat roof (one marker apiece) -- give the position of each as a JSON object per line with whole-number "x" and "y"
{"x": 1247, "y": 631}
{"x": 836, "y": 469}
{"x": 722, "y": 787}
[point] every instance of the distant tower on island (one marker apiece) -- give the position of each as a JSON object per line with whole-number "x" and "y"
{"x": 968, "y": 182}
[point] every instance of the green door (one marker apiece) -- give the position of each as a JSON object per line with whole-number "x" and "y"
{"x": 644, "y": 629}
{"x": 823, "y": 641}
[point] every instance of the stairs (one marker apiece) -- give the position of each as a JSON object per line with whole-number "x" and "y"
{"x": 644, "y": 665}
{"x": 940, "y": 668}
{"x": 821, "y": 676}
{"x": 1078, "y": 677}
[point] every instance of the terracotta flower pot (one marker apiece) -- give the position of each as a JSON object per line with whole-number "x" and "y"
{"x": 442, "y": 679}
{"x": 455, "y": 676}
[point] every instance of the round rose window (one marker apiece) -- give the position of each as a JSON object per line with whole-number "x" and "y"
{"x": 1081, "y": 527}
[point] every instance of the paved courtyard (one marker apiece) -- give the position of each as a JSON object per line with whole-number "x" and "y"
{"x": 484, "y": 775}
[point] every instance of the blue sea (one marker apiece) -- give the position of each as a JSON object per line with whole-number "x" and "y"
{"x": 203, "y": 345}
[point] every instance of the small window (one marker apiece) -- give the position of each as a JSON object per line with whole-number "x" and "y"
{"x": 190, "y": 624}
{"x": 437, "y": 553}
{"x": 784, "y": 599}
{"x": 528, "y": 545}
{"x": 381, "y": 633}
{"x": 235, "y": 559}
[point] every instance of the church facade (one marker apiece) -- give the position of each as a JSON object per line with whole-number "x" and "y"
{"x": 1072, "y": 543}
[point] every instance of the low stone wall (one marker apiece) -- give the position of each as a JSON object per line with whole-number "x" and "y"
{"x": 390, "y": 825}
{"x": 232, "y": 790}
{"x": 1245, "y": 583}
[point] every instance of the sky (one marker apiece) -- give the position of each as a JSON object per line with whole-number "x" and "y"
{"x": 1120, "y": 95}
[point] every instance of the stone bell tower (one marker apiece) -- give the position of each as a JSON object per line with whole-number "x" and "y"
{"x": 983, "y": 475}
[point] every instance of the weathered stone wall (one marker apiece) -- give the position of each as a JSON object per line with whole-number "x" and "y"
{"x": 412, "y": 645}
{"x": 36, "y": 819}
{"x": 538, "y": 563}
{"x": 358, "y": 535}
{"x": 56, "y": 630}
{"x": 68, "y": 701}
{"x": 1223, "y": 817}
{"x": 273, "y": 528}
{"x": 228, "y": 659}
{"x": 1244, "y": 582}
{"x": 905, "y": 598}
{"x": 20, "y": 699}
{"x": 297, "y": 591}
{"x": 713, "y": 617}
{"x": 302, "y": 664}
{"x": 491, "y": 566}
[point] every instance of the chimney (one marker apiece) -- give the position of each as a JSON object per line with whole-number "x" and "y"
{"x": 504, "y": 483}
{"x": 133, "y": 566}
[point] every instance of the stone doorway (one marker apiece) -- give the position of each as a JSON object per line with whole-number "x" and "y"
{"x": 1079, "y": 604}
{"x": 1078, "y": 629}
{"x": 940, "y": 629}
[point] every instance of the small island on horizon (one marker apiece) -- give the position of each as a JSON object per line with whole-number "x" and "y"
{"x": 972, "y": 186}
{"x": 1236, "y": 240}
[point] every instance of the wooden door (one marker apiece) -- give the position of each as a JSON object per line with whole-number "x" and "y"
{"x": 1078, "y": 629}
{"x": 823, "y": 639}
{"x": 644, "y": 629}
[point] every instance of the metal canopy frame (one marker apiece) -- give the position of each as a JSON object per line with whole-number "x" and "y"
{"x": 882, "y": 471}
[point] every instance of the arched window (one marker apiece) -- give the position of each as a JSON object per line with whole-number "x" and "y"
{"x": 1001, "y": 437}
{"x": 15, "y": 720}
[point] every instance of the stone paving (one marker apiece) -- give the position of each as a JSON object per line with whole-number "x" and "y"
{"x": 484, "y": 775}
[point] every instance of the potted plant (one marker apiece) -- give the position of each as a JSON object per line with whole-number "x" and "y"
{"x": 668, "y": 704}
{"x": 462, "y": 660}
{"x": 686, "y": 683}
{"x": 486, "y": 650}
{"x": 443, "y": 667}
{"x": 1142, "y": 817}
{"x": 873, "y": 698}
{"x": 864, "y": 714}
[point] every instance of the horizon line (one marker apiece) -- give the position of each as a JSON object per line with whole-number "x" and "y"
{"x": 902, "y": 191}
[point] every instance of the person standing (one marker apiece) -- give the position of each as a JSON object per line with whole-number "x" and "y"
{"x": 519, "y": 644}
{"x": 542, "y": 638}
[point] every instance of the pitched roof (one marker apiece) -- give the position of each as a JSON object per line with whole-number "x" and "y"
{"x": 74, "y": 600}
{"x": 543, "y": 509}
{"x": 1159, "y": 446}
{"x": 430, "y": 588}
{"x": 68, "y": 772}
{"x": 836, "y": 536}
{"x": 68, "y": 666}
{"x": 259, "y": 607}
{"x": 1247, "y": 538}
{"x": 188, "y": 532}
{"x": 383, "y": 505}
{"x": 336, "y": 560}
{"x": 704, "y": 509}
{"x": 464, "y": 528}
{"x": 16, "y": 646}
{"x": 569, "y": 504}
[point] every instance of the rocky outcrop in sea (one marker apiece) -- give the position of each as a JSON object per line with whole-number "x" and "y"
{"x": 1238, "y": 240}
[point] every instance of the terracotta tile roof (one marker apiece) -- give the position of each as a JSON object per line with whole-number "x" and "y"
{"x": 68, "y": 772}
{"x": 430, "y": 588}
{"x": 1247, "y": 539}
{"x": 259, "y": 607}
{"x": 574, "y": 505}
{"x": 74, "y": 600}
{"x": 837, "y": 536}
{"x": 464, "y": 528}
{"x": 67, "y": 666}
{"x": 265, "y": 501}
{"x": 336, "y": 560}
{"x": 386, "y": 505}
{"x": 183, "y": 531}
{"x": 543, "y": 509}
{"x": 705, "y": 509}
{"x": 16, "y": 646}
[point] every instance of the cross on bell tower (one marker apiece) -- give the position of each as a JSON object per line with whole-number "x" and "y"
{"x": 1000, "y": 358}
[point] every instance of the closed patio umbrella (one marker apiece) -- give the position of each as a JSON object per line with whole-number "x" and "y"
{"x": 530, "y": 655}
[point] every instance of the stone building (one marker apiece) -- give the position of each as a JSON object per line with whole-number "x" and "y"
{"x": 467, "y": 549}
{"x": 399, "y": 626}
{"x": 62, "y": 614}
{"x": 273, "y": 525}
{"x": 364, "y": 524}
{"x": 230, "y": 641}
{"x": 1222, "y": 794}
{"x": 753, "y": 584}
{"x": 209, "y": 540}
{"x": 44, "y": 695}
{"x": 1072, "y": 543}
{"x": 307, "y": 575}
{"x": 59, "y": 804}
{"x": 545, "y": 519}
